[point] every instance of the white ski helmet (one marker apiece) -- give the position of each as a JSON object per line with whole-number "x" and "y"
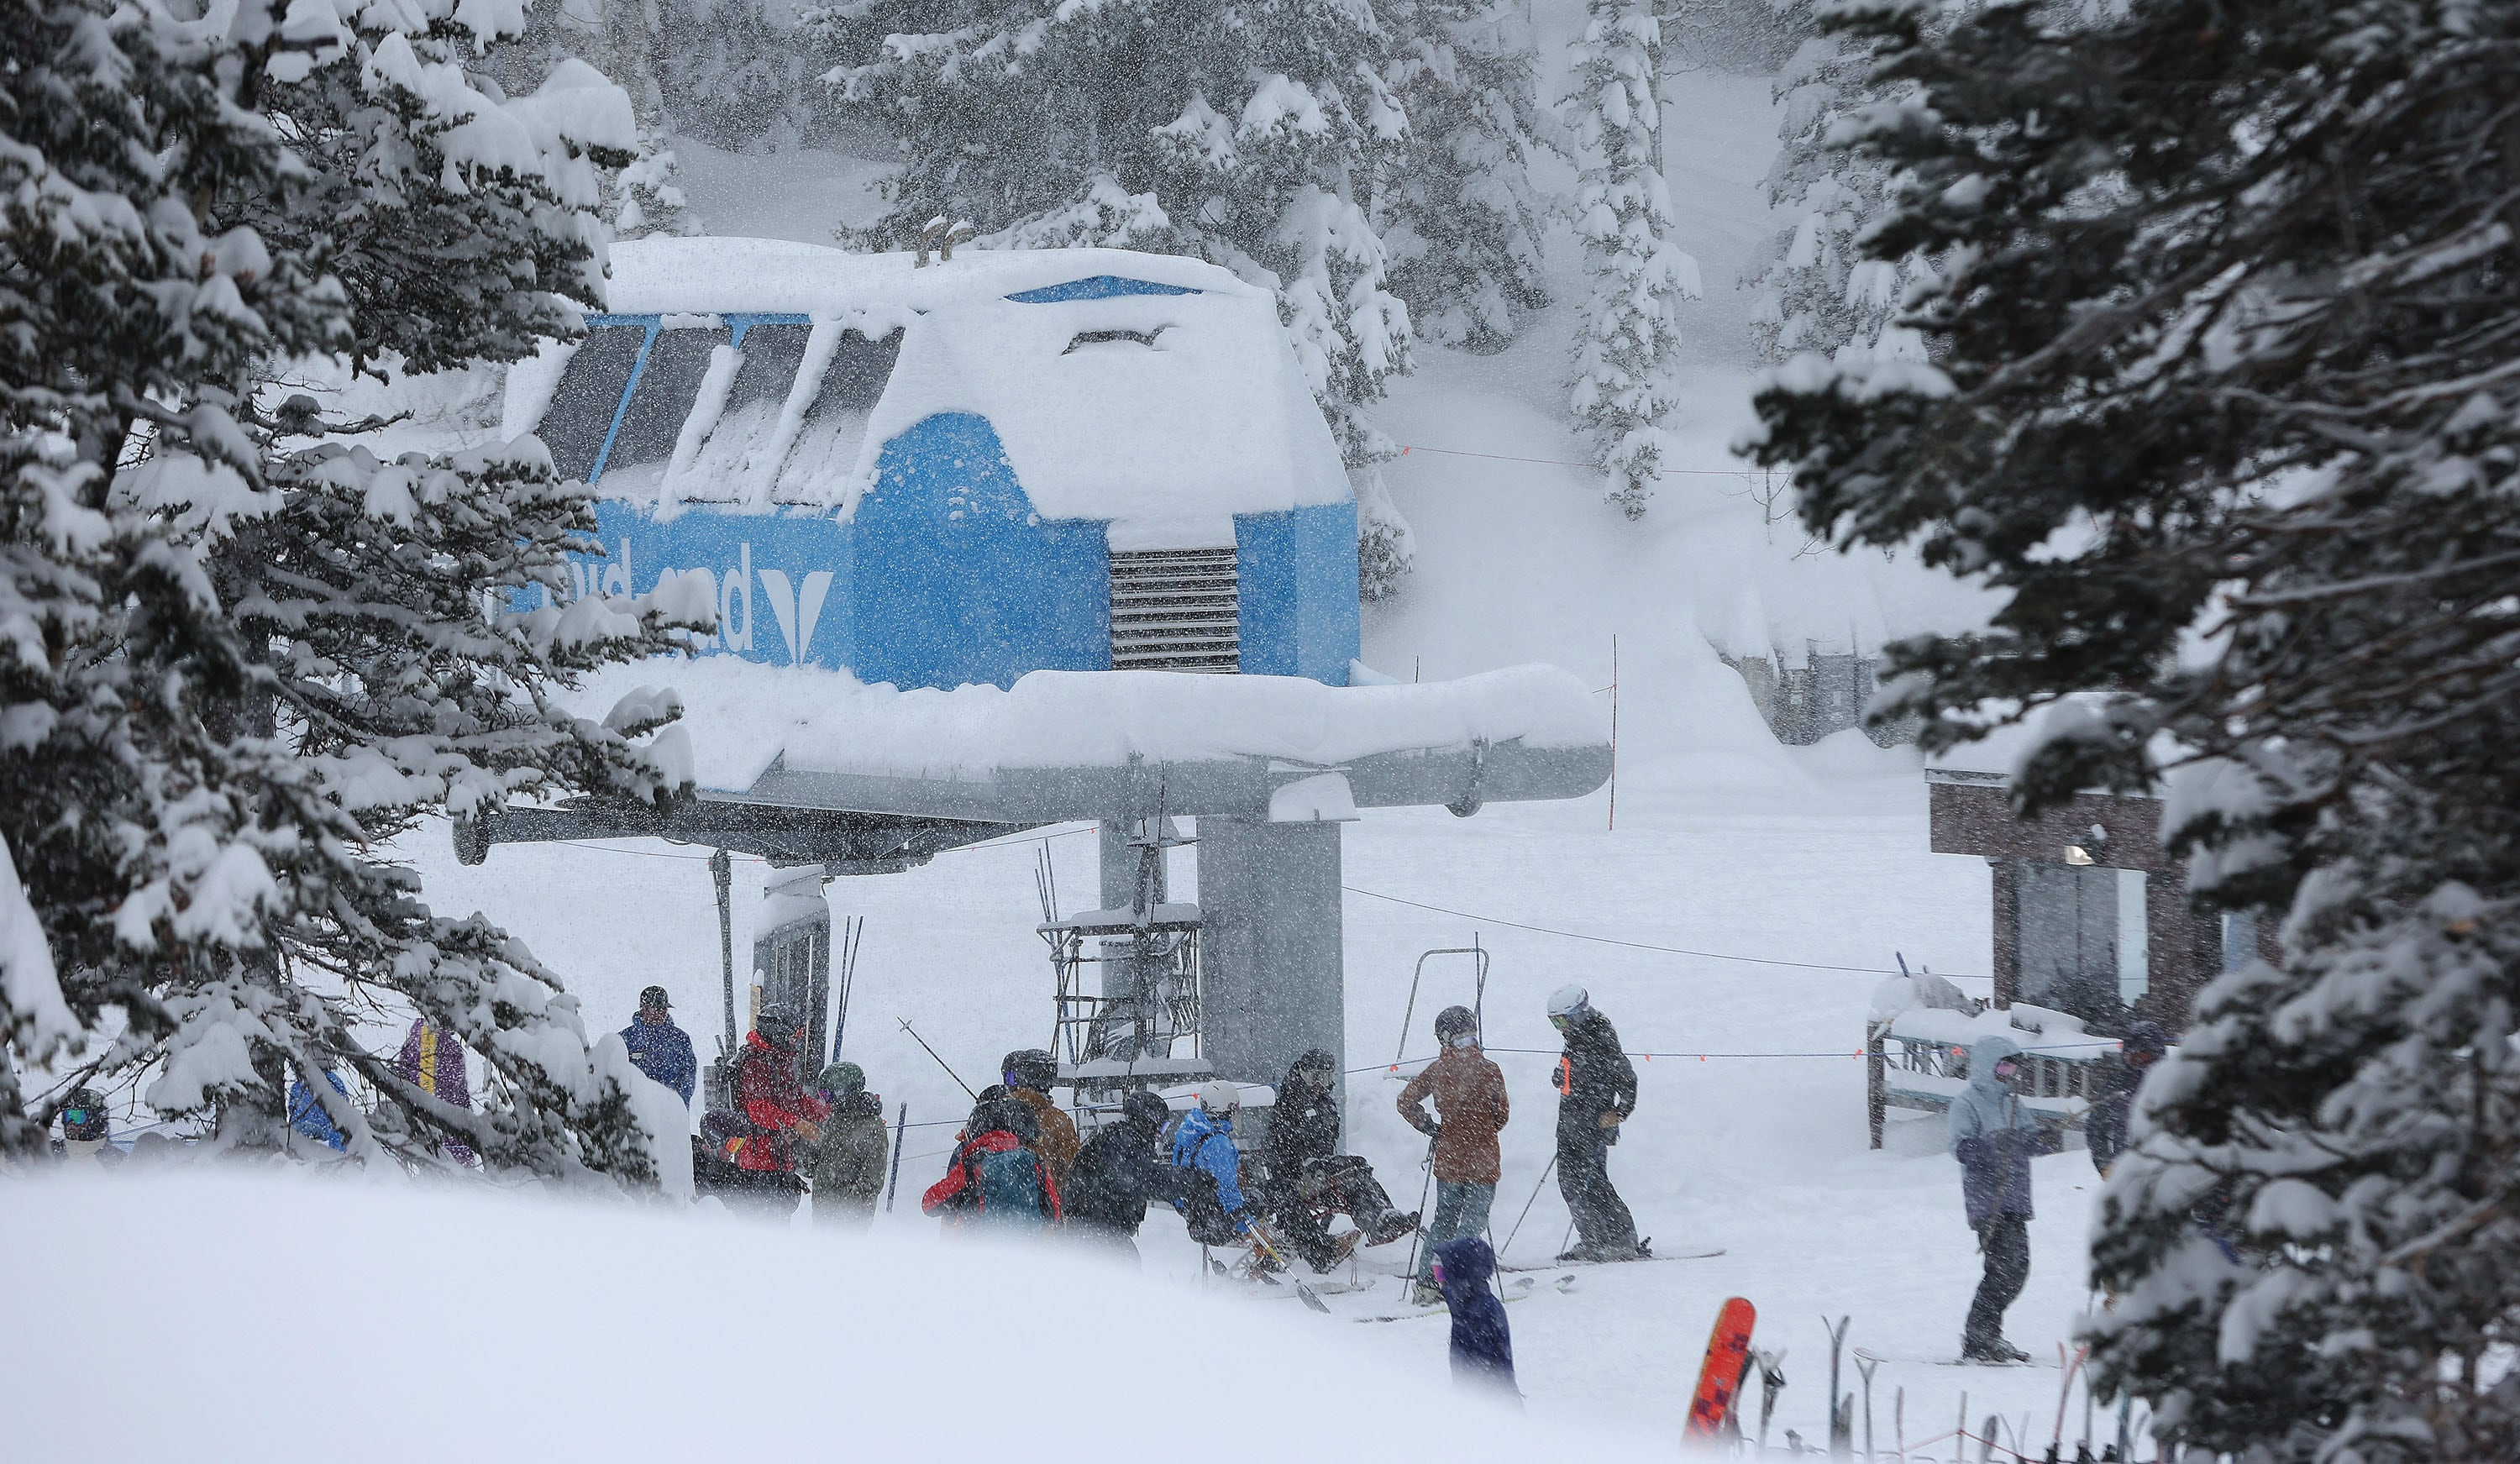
{"x": 1219, "y": 1096}
{"x": 1567, "y": 1001}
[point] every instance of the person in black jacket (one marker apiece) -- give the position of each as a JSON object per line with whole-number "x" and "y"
{"x": 1117, "y": 1174}
{"x": 2105, "y": 1128}
{"x": 1596, "y": 1091}
{"x": 1307, "y": 1180}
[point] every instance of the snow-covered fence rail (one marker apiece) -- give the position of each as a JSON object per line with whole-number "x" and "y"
{"x": 1918, "y": 1059}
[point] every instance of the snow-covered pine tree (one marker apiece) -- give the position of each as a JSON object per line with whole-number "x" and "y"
{"x": 1245, "y": 132}
{"x": 645, "y": 196}
{"x": 1629, "y": 341}
{"x": 1817, "y": 292}
{"x": 118, "y": 303}
{"x": 235, "y": 669}
{"x": 1457, "y": 211}
{"x": 2225, "y": 406}
{"x": 738, "y": 75}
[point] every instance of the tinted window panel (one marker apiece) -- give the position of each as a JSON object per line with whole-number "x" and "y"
{"x": 728, "y": 467}
{"x": 664, "y": 397}
{"x": 836, "y": 425}
{"x": 589, "y": 392}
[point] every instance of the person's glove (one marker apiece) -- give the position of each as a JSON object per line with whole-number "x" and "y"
{"x": 1610, "y": 1118}
{"x": 1434, "y": 1130}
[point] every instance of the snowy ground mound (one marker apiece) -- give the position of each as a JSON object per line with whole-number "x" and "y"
{"x": 310, "y": 1319}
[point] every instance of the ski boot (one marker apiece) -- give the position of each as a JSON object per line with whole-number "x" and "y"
{"x": 1392, "y": 1225}
{"x": 1993, "y": 1349}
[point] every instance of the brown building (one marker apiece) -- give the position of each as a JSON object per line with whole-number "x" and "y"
{"x": 2091, "y": 915}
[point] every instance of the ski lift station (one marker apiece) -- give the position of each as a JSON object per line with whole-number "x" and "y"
{"x": 1000, "y": 541}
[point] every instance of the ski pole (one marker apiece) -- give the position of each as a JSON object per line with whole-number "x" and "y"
{"x": 900, "y": 1131}
{"x": 1545, "y": 1173}
{"x": 940, "y": 1062}
{"x": 1410, "y": 1275}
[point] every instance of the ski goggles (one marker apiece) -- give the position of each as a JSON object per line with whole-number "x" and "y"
{"x": 1435, "y": 1270}
{"x": 74, "y": 1117}
{"x": 1558, "y": 1019}
{"x": 2007, "y": 1068}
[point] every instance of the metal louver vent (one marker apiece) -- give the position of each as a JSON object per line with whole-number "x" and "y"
{"x": 1174, "y": 609}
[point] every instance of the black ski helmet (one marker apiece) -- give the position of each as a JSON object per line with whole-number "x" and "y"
{"x": 1454, "y": 1023}
{"x": 778, "y": 1023}
{"x": 1146, "y": 1107}
{"x": 1029, "y": 1067}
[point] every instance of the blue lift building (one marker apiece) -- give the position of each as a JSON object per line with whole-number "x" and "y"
{"x": 1013, "y": 539}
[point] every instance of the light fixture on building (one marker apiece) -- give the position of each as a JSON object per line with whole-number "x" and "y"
{"x": 2077, "y": 856}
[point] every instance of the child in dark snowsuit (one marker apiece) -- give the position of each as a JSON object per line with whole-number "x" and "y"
{"x": 1482, "y": 1345}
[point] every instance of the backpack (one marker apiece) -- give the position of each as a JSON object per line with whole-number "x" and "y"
{"x": 1009, "y": 1186}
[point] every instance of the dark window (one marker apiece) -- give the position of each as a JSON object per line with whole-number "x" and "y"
{"x": 834, "y": 427}
{"x": 770, "y": 356}
{"x": 2081, "y": 938}
{"x": 728, "y": 468}
{"x": 859, "y": 369}
{"x": 667, "y": 386}
{"x": 589, "y": 393}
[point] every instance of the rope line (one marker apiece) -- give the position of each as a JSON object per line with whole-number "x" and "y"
{"x": 1840, "y": 1055}
{"x": 1603, "y": 940}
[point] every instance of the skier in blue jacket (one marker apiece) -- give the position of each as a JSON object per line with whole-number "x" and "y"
{"x": 659, "y": 1048}
{"x": 1204, "y": 1143}
{"x": 1995, "y": 1138}
{"x": 1482, "y": 1342}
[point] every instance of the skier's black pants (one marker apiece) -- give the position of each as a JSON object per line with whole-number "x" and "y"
{"x": 1603, "y": 1225}
{"x": 2006, "y": 1239}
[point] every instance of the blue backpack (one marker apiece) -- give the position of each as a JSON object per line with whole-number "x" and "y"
{"x": 1010, "y": 1187}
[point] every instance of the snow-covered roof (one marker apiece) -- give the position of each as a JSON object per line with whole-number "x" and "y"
{"x": 741, "y": 716}
{"x": 664, "y": 274}
{"x": 1523, "y": 732}
{"x": 1999, "y": 756}
{"x": 1157, "y": 392}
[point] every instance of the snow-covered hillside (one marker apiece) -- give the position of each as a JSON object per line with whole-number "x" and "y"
{"x": 592, "y": 1333}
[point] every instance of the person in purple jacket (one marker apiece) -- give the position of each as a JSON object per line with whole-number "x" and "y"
{"x": 1482, "y": 1342}
{"x": 433, "y": 1062}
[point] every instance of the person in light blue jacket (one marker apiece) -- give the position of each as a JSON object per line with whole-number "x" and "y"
{"x": 1204, "y": 1144}
{"x": 1995, "y": 1138}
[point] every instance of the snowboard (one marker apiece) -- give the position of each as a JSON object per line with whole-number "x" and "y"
{"x": 1719, "y": 1380}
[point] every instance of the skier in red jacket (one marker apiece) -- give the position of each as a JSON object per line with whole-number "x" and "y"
{"x": 778, "y": 1107}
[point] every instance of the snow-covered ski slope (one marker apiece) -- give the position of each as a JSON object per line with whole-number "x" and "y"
{"x": 1764, "y": 1156}
{"x": 497, "y": 1330}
